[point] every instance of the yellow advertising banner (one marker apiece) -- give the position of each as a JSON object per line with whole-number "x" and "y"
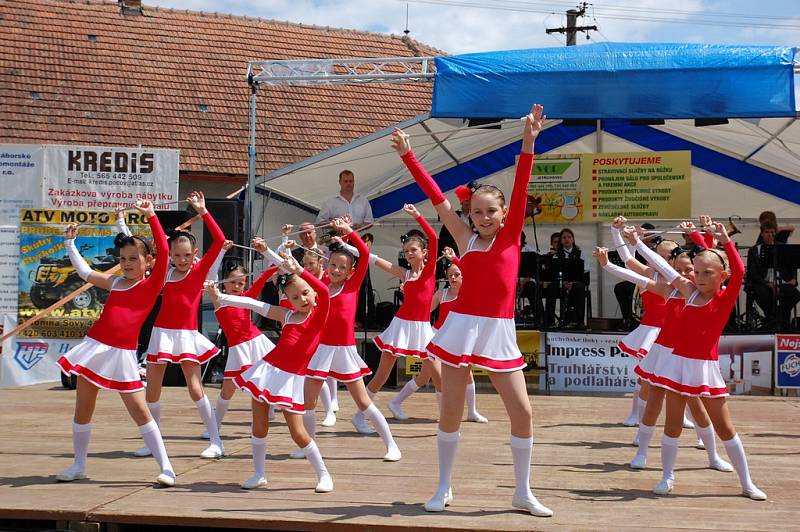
{"x": 597, "y": 187}
{"x": 529, "y": 342}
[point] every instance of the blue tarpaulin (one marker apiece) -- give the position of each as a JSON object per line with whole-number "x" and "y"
{"x": 616, "y": 80}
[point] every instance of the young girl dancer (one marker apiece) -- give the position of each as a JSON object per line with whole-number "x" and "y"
{"x": 443, "y": 299}
{"x": 106, "y": 358}
{"x": 410, "y": 330}
{"x": 175, "y": 338}
{"x": 480, "y": 330}
{"x": 691, "y": 369}
{"x": 336, "y": 355}
{"x": 246, "y": 344}
{"x": 277, "y": 379}
{"x": 639, "y": 341}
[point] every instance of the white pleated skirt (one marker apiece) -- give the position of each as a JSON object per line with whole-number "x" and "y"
{"x": 340, "y": 362}
{"x": 686, "y": 376}
{"x": 110, "y": 368}
{"x": 242, "y": 356}
{"x": 179, "y": 345}
{"x": 639, "y": 341}
{"x": 405, "y": 338}
{"x": 272, "y": 385}
{"x": 489, "y": 343}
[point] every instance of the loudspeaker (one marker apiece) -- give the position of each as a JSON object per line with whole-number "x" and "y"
{"x": 172, "y": 219}
{"x": 228, "y": 214}
{"x": 372, "y": 356}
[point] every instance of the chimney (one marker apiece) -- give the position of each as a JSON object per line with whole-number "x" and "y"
{"x": 130, "y": 7}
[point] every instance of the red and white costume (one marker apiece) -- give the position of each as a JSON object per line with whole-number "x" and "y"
{"x": 336, "y": 355}
{"x": 107, "y": 356}
{"x": 175, "y": 337}
{"x": 278, "y": 378}
{"x": 480, "y": 328}
{"x": 410, "y": 330}
{"x": 246, "y": 343}
{"x": 445, "y": 306}
{"x": 639, "y": 341}
{"x": 692, "y": 368}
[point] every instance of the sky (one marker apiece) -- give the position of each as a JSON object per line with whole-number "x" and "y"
{"x": 463, "y": 26}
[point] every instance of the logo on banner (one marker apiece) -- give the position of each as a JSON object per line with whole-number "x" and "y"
{"x": 791, "y": 365}
{"x": 30, "y": 353}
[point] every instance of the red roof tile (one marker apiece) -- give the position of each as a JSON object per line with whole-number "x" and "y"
{"x": 142, "y": 81}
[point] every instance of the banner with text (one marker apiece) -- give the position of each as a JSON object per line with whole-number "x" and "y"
{"x": 108, "y": 178}
{"x": 787, "y": 360}
{"x": 588, "y": 363}
{"x": 46, "y": 274}
{"x": 21, "y": 183}
{"x": 597, "y": 187}
{"x": 27, "y": 361}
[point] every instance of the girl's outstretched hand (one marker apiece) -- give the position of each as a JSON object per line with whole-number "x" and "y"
{"x": 289, "y": 264}
{"x": 619, "y": 222}
{"x": 601, "y": 254}
{"x": 629, "y": 234}
{"x": 145, "y": 207}
{"x": 411, "y": 209}
{"x": 533, "y": 126}
{"x": 259, "y": 245}
{"x": 721, "y": 232}
{"x": 400, "y": 142}
{"x": 448, "y": 253}
{"x": 71, "y": 231}
{"x": 212, "y": 290}
{"x": 342, "y": 226}
{"x": 198, "y": 201}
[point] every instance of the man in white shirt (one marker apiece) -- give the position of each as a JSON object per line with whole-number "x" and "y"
{"x": 347, "y": 203}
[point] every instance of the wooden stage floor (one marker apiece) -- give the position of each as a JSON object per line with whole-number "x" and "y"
{"x": 579, "y": 470}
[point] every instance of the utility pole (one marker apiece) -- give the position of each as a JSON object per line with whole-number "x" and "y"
{"x": 572, "y": 29}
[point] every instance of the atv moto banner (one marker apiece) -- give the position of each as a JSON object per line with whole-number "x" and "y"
{"x": 46, "y": 274}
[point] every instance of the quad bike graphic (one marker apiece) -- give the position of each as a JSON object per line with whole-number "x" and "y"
{"x": 54, "y": 278}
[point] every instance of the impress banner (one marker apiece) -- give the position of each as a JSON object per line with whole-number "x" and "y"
{"x": 597, "y": 187}
{"x": 46, "y": 274}
{"x": 588, "y": 363}
{"x": 107, "y": 178}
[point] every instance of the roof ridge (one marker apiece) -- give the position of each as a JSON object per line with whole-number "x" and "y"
{"x": 414, "y": 46}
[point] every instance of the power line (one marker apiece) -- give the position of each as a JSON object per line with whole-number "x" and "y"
{"x": 625, "y": 14}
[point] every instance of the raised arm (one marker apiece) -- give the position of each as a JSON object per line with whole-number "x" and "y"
{"x": 197, "y": 200}
{"x": 323, "y": 300}
{"x": 120, "y": 224}
{"x": 213, "y": 272}
{"x": 258, "y": 285}
{"x": 433, "y": 241}
{"x": 645, "y": 283}
{"x": 624, "y": 249}
{"x": 519, "y": 196}
{"x": 460, "y": 231}
{"x": 362, "y": 265}
{"x": 731, "y": 292}
{"x": 159, "y": 272}
{"x": 82, "y": 268}
{"x": 437, "y": 299}
{"x": 671, "y": 276}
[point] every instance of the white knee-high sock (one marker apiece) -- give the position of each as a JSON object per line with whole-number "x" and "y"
{"x": 310, "y": 423}
{"x": 381, "y": 426}
{"x": 81, "y": 434}
{"x": 221, "y": 409}
{"x": 709, "y": 440}
{"x": 447, "y": 445}
{"x": 333, "y": 388}
{"x": 645, "y": 434}
{"x": 311, "y": 451}
{"x": 371, "y": 393}
{"x": 207, "y": 415}
{"x": 259, "y": 455}
{"x": 521, "y": 450}
{"x": 155, "y": 411}
{"x": 152, "y": 438}
{"x": 472, "y": 406}
{"x": 640, "y": 409}
{"x": 325, "y": 398}
{"x": 635, "y": 402}
{"x": 669, "y": 454}
{"x": 735, "y": 451}
{"x": 409, "y": 388}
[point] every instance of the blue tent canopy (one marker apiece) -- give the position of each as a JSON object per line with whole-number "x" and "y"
{"x": 619, "y": 80}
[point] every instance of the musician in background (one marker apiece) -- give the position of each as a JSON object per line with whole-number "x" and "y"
{"x": 782, "y": 232}
{"x": 764, "y": 282}
{"x": 347, "y": 203}
{"x": 575, "y": 296}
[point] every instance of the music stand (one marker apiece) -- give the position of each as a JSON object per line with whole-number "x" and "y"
{"x": 782, "y": 258}
{"x": 530, "y": 266}
{"x": 562, "y": 270}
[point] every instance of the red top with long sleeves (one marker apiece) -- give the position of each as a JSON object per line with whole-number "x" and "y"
{"x": 181, "y": 298}
{"x": 340, "y": 327}
{"x": 125, "y": 310}
{"x": 418, "y": 293}
{"x": 235, "y": 321}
